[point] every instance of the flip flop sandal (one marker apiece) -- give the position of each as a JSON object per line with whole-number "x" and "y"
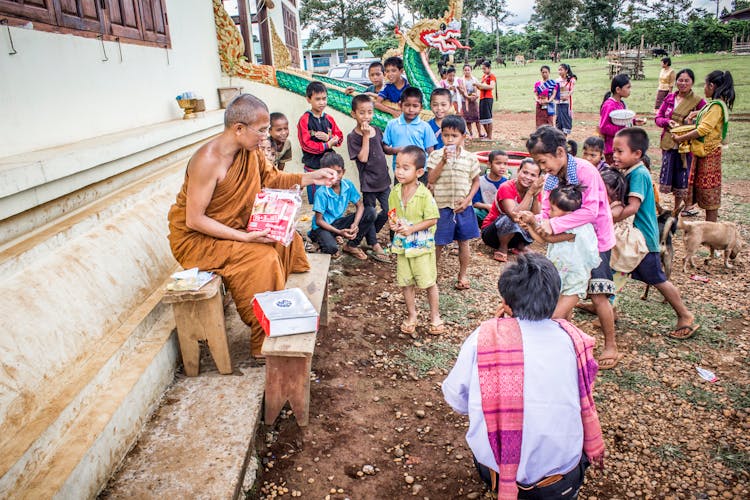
{"x": 683, "y": 332}
{"x": 261, "y": 360}
{"x": 408, "y": 328}
{"x": 462, "y": 285}
{"x": 356, "y": 253}
{"x": 380, "y": 257}
{"x": 437, "y": 328}
{"x": 690, "y": 213}
{"x": 500, "y": 256}
{"x": 609, "y": 362}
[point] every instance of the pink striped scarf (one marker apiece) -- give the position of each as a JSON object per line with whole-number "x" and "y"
{"x": 500, "y": 363}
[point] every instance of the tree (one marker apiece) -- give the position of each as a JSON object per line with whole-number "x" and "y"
{"x": 555, "y": 16}
{"x": 340, "y": 18}
{"x": 497, "y": 12}
{"x": 599, "y": 17}
{"x": 740, "y": 4}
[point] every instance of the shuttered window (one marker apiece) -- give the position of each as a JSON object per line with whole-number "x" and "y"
{"x": 139, "y": 21}
{"x": 290, "y": 34}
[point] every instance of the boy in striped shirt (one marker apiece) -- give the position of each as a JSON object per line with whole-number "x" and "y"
{"x": 453, "y": 175}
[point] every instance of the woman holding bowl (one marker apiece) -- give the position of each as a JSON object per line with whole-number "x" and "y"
{"x": 712, "y": 123}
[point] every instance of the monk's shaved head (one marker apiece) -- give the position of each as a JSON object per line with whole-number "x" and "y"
{"x": 243, "y": 109}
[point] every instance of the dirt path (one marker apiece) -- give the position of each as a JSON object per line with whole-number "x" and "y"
{"x": 379, "y": 427}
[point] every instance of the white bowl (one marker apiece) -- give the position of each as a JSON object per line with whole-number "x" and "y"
{"x": 622, "y": 117}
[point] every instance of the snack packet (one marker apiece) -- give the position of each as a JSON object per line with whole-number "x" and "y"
{"x": 276, "y": 210}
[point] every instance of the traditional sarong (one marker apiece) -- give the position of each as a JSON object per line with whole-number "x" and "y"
{"x": 470, "y": 110}
{"x": 660, "y": 95}
{"x": 564, "y": 118}
{"x": 247, "y": 268}
{"x": 706, "y": 180}
{"x": 543, "y": 117}
{"x": 675, "y": 172}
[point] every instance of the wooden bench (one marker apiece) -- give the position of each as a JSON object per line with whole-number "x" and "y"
{"x": 199, "y": 315}
{"x": 289, "y": 358}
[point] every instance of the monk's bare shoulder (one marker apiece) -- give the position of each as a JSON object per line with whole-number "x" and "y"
{"x": 207, "y": 164}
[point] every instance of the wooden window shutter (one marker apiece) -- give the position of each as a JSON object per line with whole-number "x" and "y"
{"x": 154, "y": 26}
{"x": 33, "y": 10}
{"x": 85, "y": 15}
{"x": 290, "y": 34}
{"x": 122, "y": 16}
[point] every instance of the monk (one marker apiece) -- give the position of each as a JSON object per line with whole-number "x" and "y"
{"x": 207, "y": 222}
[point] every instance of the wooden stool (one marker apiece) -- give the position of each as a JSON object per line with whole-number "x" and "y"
{"x": 199, "y": 315}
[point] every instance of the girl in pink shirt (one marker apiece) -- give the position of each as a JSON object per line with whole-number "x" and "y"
{"x": 548, "y": 148}
{"x": 613, "y": 100}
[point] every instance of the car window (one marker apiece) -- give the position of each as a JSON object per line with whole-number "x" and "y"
{"x": 356, "y": 73}
{"x": 338, "y": 72}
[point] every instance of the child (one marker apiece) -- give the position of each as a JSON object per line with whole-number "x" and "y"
{"x": 365, "y": 144}
{"x": 375, "y": 74}
{"x": 280, "y": 139}
{"x": 488, "y": 83}
{"x": 573, "y": 252}
{"x": 453, "y": 174}
{"x": 547, "y": 147}
{"x": 317, "y": 131}
{"x": 489, "y": 184}
{"x": 593, "y": 152}
{"x": 544, "y": 95}
{"x": 394, "y": 73}
{"x": 409, "y": 129}
{"x": 268, "y": 150}
{"x": 564, "y": 108}
{"x": 440, "y": 104}
{"x": 613, "y": 100}
{"x": 629, "y": 147}
{"x": 329, "y": 221}
{"x": 630, "y": 245}
{"x": 414, "y": 240}
{"x": 449, "y": 83}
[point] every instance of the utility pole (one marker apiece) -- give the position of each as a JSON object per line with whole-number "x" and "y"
{"x": 717, "y": 9}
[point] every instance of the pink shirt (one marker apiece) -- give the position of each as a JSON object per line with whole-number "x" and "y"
{"x": 606, "y": 127}
{"x": 594, "y": 209}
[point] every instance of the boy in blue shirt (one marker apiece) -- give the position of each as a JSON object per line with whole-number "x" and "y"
{"x": 629, "y": 147}
{"x": 409, "y": 129}
{"x": 329, "y": 222}
{"x": 394, "y": 74}
{"x": 440, "y": 104}
{"x": 489, "y": 184}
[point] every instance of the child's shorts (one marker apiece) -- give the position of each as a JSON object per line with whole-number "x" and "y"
{"x": 418, "y": 271}
{"x": 649, "y": 271}
{"x": 456, "y": 227}
{"x": 601, "y": 282}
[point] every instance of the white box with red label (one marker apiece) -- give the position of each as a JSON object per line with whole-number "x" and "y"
{"x": 285, "y": 312}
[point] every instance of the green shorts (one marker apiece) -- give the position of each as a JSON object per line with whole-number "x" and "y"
{"x": 420, "y": 271}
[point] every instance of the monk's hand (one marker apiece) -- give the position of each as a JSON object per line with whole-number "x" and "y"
{"x": 259, "y": 237}
{"x": 322, "y": 177}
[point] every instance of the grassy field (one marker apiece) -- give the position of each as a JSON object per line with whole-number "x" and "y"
{"x": 515, "y": 83}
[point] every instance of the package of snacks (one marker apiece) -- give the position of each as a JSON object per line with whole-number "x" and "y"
{"x": 276, "y": 210}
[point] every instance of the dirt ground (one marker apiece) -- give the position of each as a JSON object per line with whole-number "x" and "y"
{"x": 379, "y": 427}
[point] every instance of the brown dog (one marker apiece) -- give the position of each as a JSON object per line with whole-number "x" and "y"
{"x": 716, "y": 235}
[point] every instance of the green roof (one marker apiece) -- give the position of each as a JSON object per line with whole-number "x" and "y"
{"x": 337, "y": 44}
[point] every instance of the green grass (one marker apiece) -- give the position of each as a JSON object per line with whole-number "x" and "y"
{"x": 738, "y": 461}
{"x": 433, "y": 356}
{"x": 628, "y": 380}
{"x": 669, "y": 451}
{"x": 454, "y": 307}
{"x": 515, "y": 83}
{"x": 698, "y": 396}
{"x": 739, "y": 395}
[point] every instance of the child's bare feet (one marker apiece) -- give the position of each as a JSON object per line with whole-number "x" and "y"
{"x": 609, "y": 358}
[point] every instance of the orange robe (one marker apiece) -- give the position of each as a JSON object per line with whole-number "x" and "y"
{"x": 247, "y": 268}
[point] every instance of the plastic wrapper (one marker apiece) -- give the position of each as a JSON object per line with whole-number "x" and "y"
{"x": 276, "y": 210}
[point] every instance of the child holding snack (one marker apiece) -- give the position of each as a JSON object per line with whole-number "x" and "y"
{"x": 366, "y": 148}
{"x": 453, "y": 173}
{"x": 329, "y": 221}
{"x": 573, "y": 252}
{"x": 413, "y": 219}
